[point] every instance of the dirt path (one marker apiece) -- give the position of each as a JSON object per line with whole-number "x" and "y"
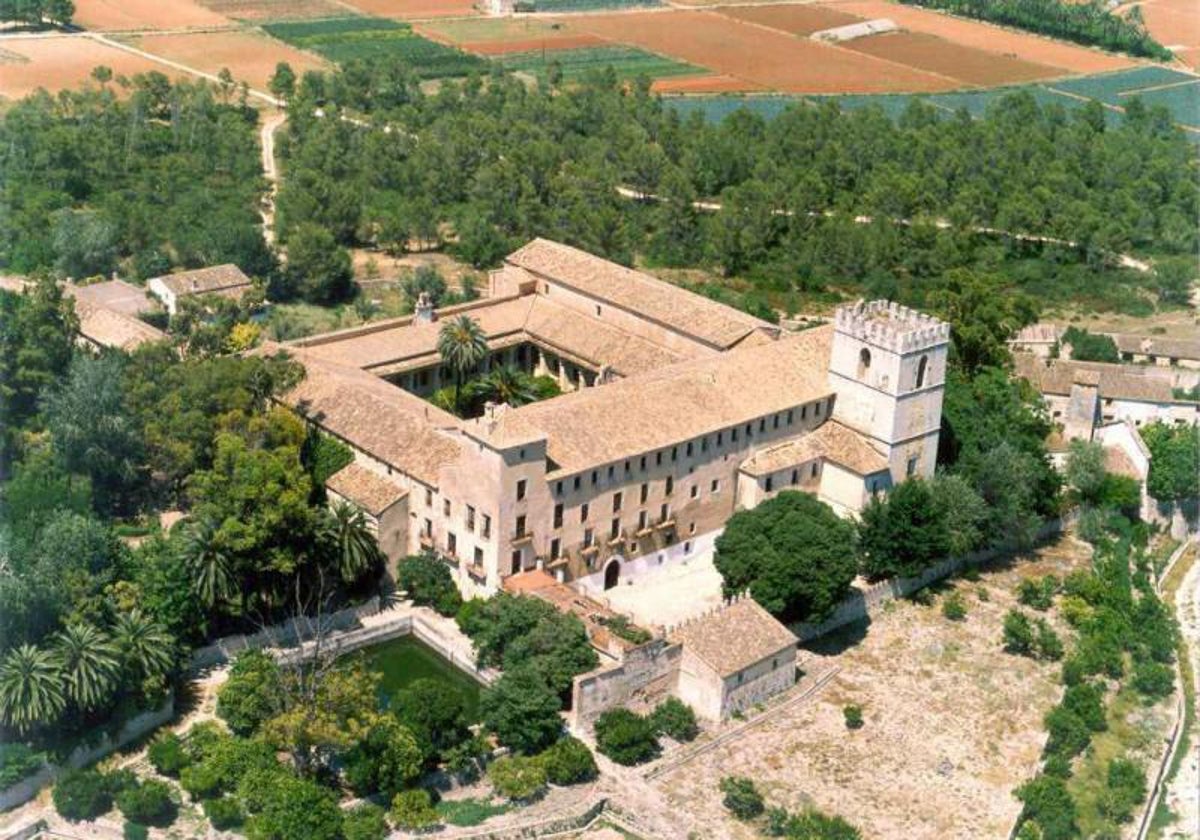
{"x": 1183, "y": 794}
{"x": 270, "y": 172}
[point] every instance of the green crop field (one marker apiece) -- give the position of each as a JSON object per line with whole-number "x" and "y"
{"x": 628, "y": 63}
{"x": 585, "y": 5}
{"x": 346, "y": 39}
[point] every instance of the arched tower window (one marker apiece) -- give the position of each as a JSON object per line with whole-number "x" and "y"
{"x": 921, "y": 365}
{"x": 864, "y": 362}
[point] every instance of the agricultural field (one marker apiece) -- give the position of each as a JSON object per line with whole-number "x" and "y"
{"x": 111, "y": 15}
{"x": 954, "y": 61}
{"x": 415, "y": 9}
{"x": 249, "y": 56}
{"x": 258, "y": 11}
{"x": 577, "y": 63}
{"x": 1176, "y": 25}
{"x": 61, "y": 61}
{"x": 350, "y": 38}
{"x": 950, "y": 777}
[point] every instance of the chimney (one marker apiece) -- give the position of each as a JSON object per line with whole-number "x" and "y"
{"x": 423, "y": 313}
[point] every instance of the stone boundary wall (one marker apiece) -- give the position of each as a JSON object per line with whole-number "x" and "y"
{"x": 649, "y": 670}
{"x": 84, "y": 754}
{"x": 862, "y": 603}
{"x": 559, "y": 824}
{"x": 27, "y": 832}
{"x": 286, "y": 634}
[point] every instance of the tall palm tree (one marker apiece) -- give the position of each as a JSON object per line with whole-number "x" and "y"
{"x": 463, "y": 346}
{"x": 147, "y": 649}
{"x": 354, "y": 545}
{"x": 90, "y": 663}
{"x": 209, "y": 562}
{"x": 31, "y": 688}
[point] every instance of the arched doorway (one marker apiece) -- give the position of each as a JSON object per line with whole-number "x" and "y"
{"x": 612, "y": 574}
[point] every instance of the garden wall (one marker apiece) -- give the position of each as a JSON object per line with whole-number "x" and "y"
{"x": 647, "y": 673}
{"x": 85, "y": 754}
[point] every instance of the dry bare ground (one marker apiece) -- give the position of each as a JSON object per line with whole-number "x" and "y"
{"x": 55, "y": 62}
{"x": 953, "y": 724}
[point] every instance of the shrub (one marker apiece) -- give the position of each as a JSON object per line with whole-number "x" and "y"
{"x": 1038, "y": 594}
{"x": 954, "y": 607}
{"x": 413, "y": 810}
{"x": 225, "y": 813}
{"x": 741, "y": 797}
{"x": 1018, "y": 633}
{"x": 517, "y": 777}
{"x": 1125, "y": 789}
{"x": 1153, "y": 680}
{"x": 1069, "y": 734}
{"x": 135, "y": 831}
{"x": 625, "y": 737}
{"x": 675, "y": 719}
{"x": 289, "y": 807}
{"x": 569, "y": 762}
{"x": 18, "y": 761}
{"x": 1048, "y": 803}
{"x": 522, "y": 710}
{"x": 809, "y": 825}
{"x": 201, "y": 781}
{"x": 462, "y": 760}
{"x": 148, "y": 803}
{"x": 365, "y": 822}
{"x": 253, "y": 694}
{"x": 427, "y": 581}
{"x": 1047, "y": 643}
{"x": 853, "y": 715}
{"x": 83, "y": 795}
{"x": 167, "y": 755}
{"x": 1086, "y": 701}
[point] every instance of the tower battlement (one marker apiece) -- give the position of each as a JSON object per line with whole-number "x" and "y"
{"x": 888, "y": 324}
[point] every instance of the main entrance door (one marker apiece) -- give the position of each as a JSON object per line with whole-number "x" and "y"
{"x": 612, "y": 573}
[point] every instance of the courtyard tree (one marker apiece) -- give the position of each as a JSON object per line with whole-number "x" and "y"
{"x": 350, "y": 541}
{"x": 253, "y": 693}
{"x": 32, "y": 690}
{"x": 794, "y": 554}
{"x": 902, "y": 533}
{"x": 462, "y": 346}
{"x": 522, "y": 710}
{"x": 427, "y": 582}
{"x": 209, "y": 562}
{"x": 1085, "y": 471}
{"x": 1174, "y": 453}
{"x": 90, "y": 663}
{"x": 626, "y": 737}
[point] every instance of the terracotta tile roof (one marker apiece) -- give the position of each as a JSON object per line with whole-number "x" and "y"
{"x": 1119, "y": 382}
{"x": 1171, "y": 348}
{"x": 397, "y": 345}
{"x": 114, "y": 329}
{"x": 714, "y": 323}
{"x": 370, "y": 491}
{"x": 538, "y": 583}
{"x": 672, "y": 404}
{"x": 734, "y": 637}
{"x": 384, "y": 421}
{"x": 204, "y": 281}
{"x": 116, "y": 295}
{"x": 831, "y": 441}
{"x": 1117, "y": 461}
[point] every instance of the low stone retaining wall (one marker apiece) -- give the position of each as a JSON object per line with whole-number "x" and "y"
{"x": 559, "y": 824}
{"x": 85, "y": 754}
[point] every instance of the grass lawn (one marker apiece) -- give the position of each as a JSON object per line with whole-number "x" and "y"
{"x": 468, "y": 812}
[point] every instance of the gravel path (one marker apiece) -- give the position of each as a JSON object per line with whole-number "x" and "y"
{"x": 1183, "y": 795}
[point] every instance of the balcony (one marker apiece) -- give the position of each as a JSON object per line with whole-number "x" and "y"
{"x": 426, "y": 540}
{"x": 665, "y": 524}
{"x": 523, "y": 538}
{"x": 479, "y": 573}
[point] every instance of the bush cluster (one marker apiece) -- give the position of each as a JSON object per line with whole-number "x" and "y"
{"x": 675, "y": 719}
{"x": 428, "y": 583}
{"x": 626, "y": 737}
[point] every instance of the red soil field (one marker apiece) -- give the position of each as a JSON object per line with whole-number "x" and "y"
{"x": 803, "y": 19}
{"x": 144, "y": 14}
{"x": 250, "y": 57}
{"x": 54, "y": 63}
{"x": 564, "y": 42}
{"x": 774, "y": 60}
{"x": 937, "y": 55}
{"x": 703, "y": 84}
{"x": 415, "y": 9}
{"x": 1175, "y": 23}
{"x": 982, "y": 36}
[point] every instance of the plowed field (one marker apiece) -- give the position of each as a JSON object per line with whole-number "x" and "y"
{"x": 144, "y": 14}
{"x": 937, "y": 55}
{"x": 57, "y": 62}
{"x": 250, "y": 57}
{"x": 803, "y": 19}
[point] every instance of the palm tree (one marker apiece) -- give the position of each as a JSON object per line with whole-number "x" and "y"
{"x": 147, "y": 649}
{"x": 90, "y": 663}
{"x": 505, "y": 384}
{"x": 462, "y": 345}
{"x": 207, "y": 560}
{"x": 354, "y": 545}
{"x": 31, "y": 688}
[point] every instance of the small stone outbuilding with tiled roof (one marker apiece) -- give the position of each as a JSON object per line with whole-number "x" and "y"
{"x": 224, "y": 280}
{"x": 734, "y": 658}
{"x": 383, "y": 502}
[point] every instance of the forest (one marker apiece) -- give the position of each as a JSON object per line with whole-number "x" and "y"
{"x": 1088, "y": 23}
{"x": 139, "y": 174}
{"x": 483, "y": 166}
{"x": 37, "y": 13}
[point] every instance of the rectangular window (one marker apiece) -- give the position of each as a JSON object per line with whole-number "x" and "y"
{"x": 689, "y": 449}
{"x": 658, "y": 459}
{"x": 643, "y": 463}
{"x": 470, "y": 519}
{"x": 428, "y": 529}
{"x": 452, "y": 544}
{"x": 762, "y": 424}
{"x": 520, "y": 489}
{"x": 749, "y": 430}
{"x": 612, "y": 471}
{"x": 577, "y": 482}
{"x": 554, "y": 549}
{"x": 664, "y": 512}
{"x": 695, "y": 491}
{"x": 674, "y": 453}
{"x": 670, "y": 485}
{"x": 704, "y": 444}
{"x": 595, "y": 477}
{"x": 912, "y": 466}
{"x": 589, "y": 537}
{"x": 616, "y": 502}
{"x": 775, "y": 422}
{"x": 558, "y": 488}
{"x": 790, "y": 416}
{"x": 733, "y": 435}
{"x": 627, "y": 466}
{"x": 445, "y": 507}
{"x": 615, "y": 531}
{"x": 720, "y": 439}
{"x": 795, "y": 476}
{"x": 645, "y": 492}
{"x": 642, "y": 520}
{"x": 716, "y": 485}
{"x": 520, "y": 529}
{"x": 816, "y": 410}
{"x": 428, "y": 497}
{"x": 770, "y": 483}
{"x": 803, "y": 412}
{"x": 558, "y": 511}
{"x": 486, "y": 530}
{"x": 815, "y": 468}
{"x": 478, "y": 556}
{"x": 516, "y": 561}
{"x": 583, "y": 512}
